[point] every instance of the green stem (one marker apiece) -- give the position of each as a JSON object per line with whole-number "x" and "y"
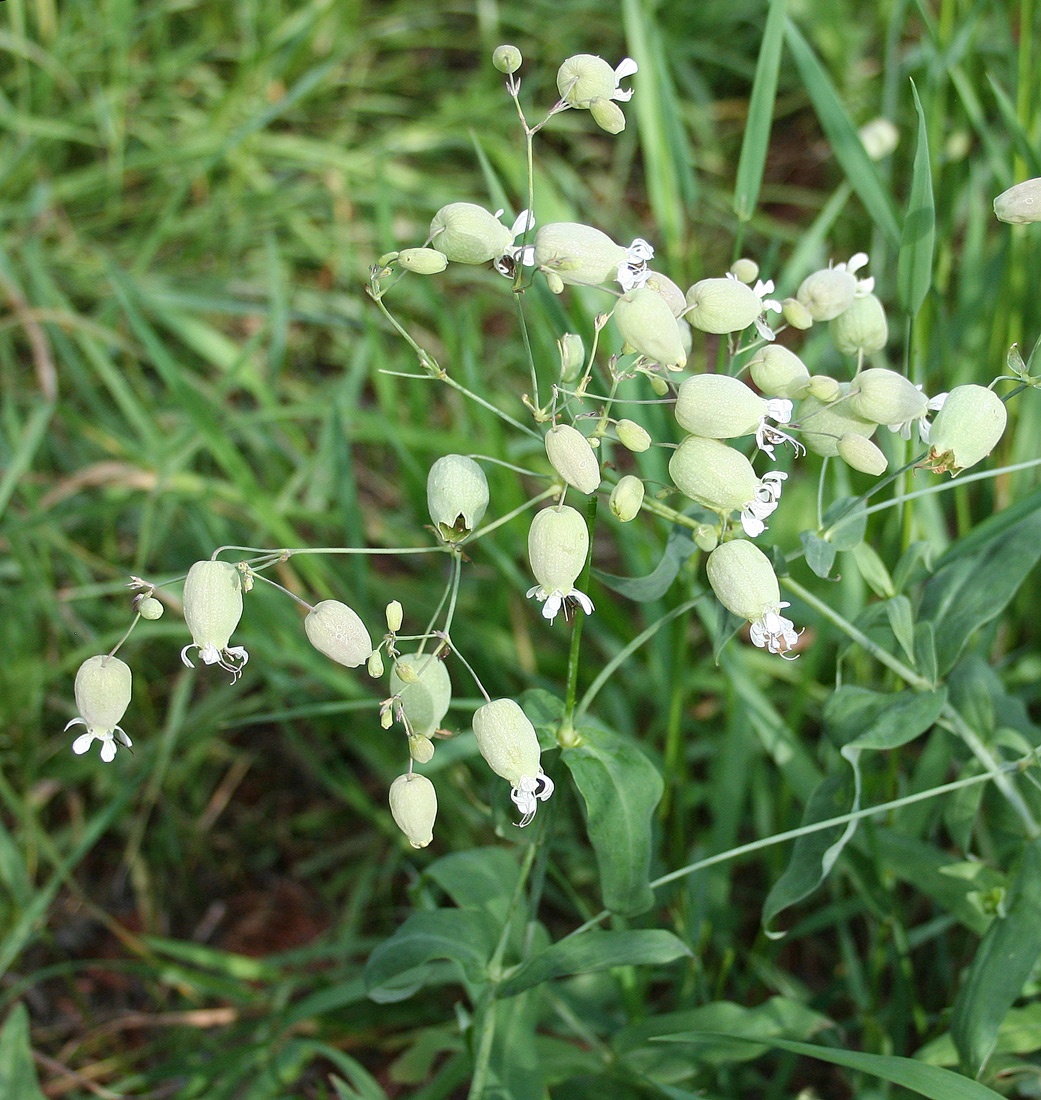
{"x": 567, "y": 727}
{"x": 489, "y": 527}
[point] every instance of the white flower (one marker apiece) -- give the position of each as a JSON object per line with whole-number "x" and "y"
{"x": 853, "y": 265}
{"x": 763, "y": 504}
{"x": 102, "y": 690}
{"x": 556, "y": 599}
{"x": 769, "y": 305}
{"x": 774, "y": 632}
{"x": 934, "y": 404}
{"x": 528, "y": 793}
{"x": 558, "y": 544}
{"x": 512, "y": 255}
{"x": 767, "y": 436}
{"x": 633, "y": 272}
{"x": 212, "y": 608}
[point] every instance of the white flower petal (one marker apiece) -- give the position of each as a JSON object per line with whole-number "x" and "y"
{"x": 582, "y": 600}
{"x": 108, "y": 749}
{"x": 626, "y": 67}
{"x": 82, "y": 743}
{"x": 554, "y": 602}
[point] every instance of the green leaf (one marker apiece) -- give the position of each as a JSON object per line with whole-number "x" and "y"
{"x": 396, "y": 969}
{"x": 929, "y": 1081}
{"x": 844, "y": 523}
{"x": 481, "y": 878}
{"x": 873, "y": 569}
{"x": 760, "y": 114}
{"x": 858, "y": 718}
{"x": 820, "y": 554}
{"x": 860, "y": 170}
{"x": 655, "y": 584}
{"x": 914, "y": 273}
{"x": 596, "y": 950}
{"x": 620, "y": 789}
{"x": 17, "y": 1072}
{"x": 901, "y": 620}
{"x": 973, "y": 589}
{"x": 1001, "y": 966}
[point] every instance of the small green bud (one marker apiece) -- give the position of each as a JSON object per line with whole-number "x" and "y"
{"x": 780, "y": 372}
{"x": 828, "y": 292}
{"x": 663, "y": 285}
{"x": 885, "y": 397}
{"x": 722, "y": 305}
{"x": 386, "y": 718}
{"x": 1020, "y": 204}
{"x": 336, "y": 630}
{"x": 585, "y": 77}
{"x": 572, "y": 457}
{"x": 212, "y": 609}
{"x": 627, "y": 498}
{"x": 646, "y": 323}
{"x": 426, "y": 695}
{"x": 633, "y": 436}
{"x": 423, "y": 261}
{"x": 706, "y": 538}
{"x": 420, "y": 748}
{"x": 659, "y": 385}
{"x": 507, "y": 740}
{"x": 715, "y": 475}
{"x": 413, "y": 805}
{"x": 718, "y": 406}
{"x": 150, "y": 608}
{"x": 554, "y": 282}
{"x": 966, "y": 429}
{"x": 394, "y": 616}
{"x": 796, "y": 314}
{"x": 102, "y": 690}
{"x": 507, "y": 59}
{"x": 572, "y": 356}
{"x": 743, "y": 579}
{"x": 861, "y": 328}
{"x": 824, "y": 388}
{"x": 823, "y": 425}
{"x": 862, "y": 454}
{"x": 745, "y": 271}
{"x": 577, "y": 254}
{"x": 607, "y": 114}
{"x": 468, "y": 234}
{"x": 374, "y": 665}
{"x": 457, "y": 496}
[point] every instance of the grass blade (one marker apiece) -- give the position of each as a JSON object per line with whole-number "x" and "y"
{"x": 914, "y": 275}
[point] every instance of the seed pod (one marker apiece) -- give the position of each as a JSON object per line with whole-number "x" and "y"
{"x": 743, "y": 579}
{"x": 607, "y": 114}
{"x": 717, "y": 406}
{"x": 745, "y": 271}
{"x": 722, "y": 305}
{"x": 780, "y": 372}
{"x": 336, "y": 630}
{"x": 796, "y": 314}
{"x": 663, "y": 285}
{"x": 572, "y": 356}
{"x": 457, "y": 496}
{"x": 713, "y": 474}
{"x": 420, "y": 748}
{"x": 424, "y": 690}
{"x": 861, "y": 328}
{"x": 646, "y": 323}
{"x": 149, "y": 608}
{"x": 413, "y": 805}
{"x": 423, "y": 261}
{"x": 212, "y": 609}
{"x": 828, "y": 292}
{"x": 966, "y": 429}
{"x": 1020, "y": 204}
{"x": 507, "y": 740}
{"x": 822, "y": 425}
{"x": 862, "y": 454}
{"x": 507, "y": 59}
{"x": 102, "y": 690}
{"x": 468, "y": 234}
{"x": 577, "y": 254}
{"x": 885, "y": 397}
{"x": 572, "y": 457}
{"x": 627, "y": 498}
{"x": 585, "y": 77}
{"x": 632, "y": 436}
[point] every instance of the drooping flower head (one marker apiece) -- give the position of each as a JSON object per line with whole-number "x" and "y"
{"x": 457, "y": 496}
{"x": 828, "y": 292}
{"x": 212, "y": 609}
{"x": 423, "y": 689}
{"x": 336, "y": 630}
{"x": 509, "y": 744}
{"x": 413, "y": 805}
{"x": 558, "y": 544}
{"x": 584, "y": 78}
{"x": 102, "y": 691}
{"x": 966, "y": 429}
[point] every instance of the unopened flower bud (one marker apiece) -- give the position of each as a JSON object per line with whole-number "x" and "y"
{"x": 627, "y": 498}
{"x": 212, "y": 609}
{"x": 745, "y": 270}
{"x": 722, "y": 305}
{"x": 659, "y": 385}
{"x": 706, "y": 538}
{"x": 577, "y": 254}
{"x": 423, "y": 261}
{"x": 632, "y": 436}
{"x": 647, "y": 324}
{"x": 828, "y": 292}
{"x": 862, "y": 454}
{"x": 468, "y": 234}
{"x": 374, "y": 665}
{"x": 780, "y": 372}
{"x": 1020, "y": 204}
{"x": 718, "y": 406}
{"x": 607, "y": 114}
{"x": 715, "y": 475}
{"x": 457, "y": 496}
{"x": 966, "y": 429}
{"x": 885, "y": 397}
{"x": 150, "y": 608}
{"x": 394, "y": 616}
{"x": 102, "y": 691}
{"x": 413, "y": 805}
{"x": 426, "y": 693}
{"x": 823, "y": 425}
{"x": 824, "y": 388}
{"x": 386, "y": 718}
{"x": 554, "y": 282}
{"x": 572, "y": 356}
{"x": 420, "y": 748}
{"x": 507, "y": 59}
{"x": 796, "y": 314}
{"x": 336, "y": 630}
{"x": 585, "y": 77}
{"x": 572, "y": 457}
{"x": 861, "y": 328}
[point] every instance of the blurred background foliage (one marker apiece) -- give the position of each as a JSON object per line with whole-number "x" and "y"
{"x": 191, "y": 196}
